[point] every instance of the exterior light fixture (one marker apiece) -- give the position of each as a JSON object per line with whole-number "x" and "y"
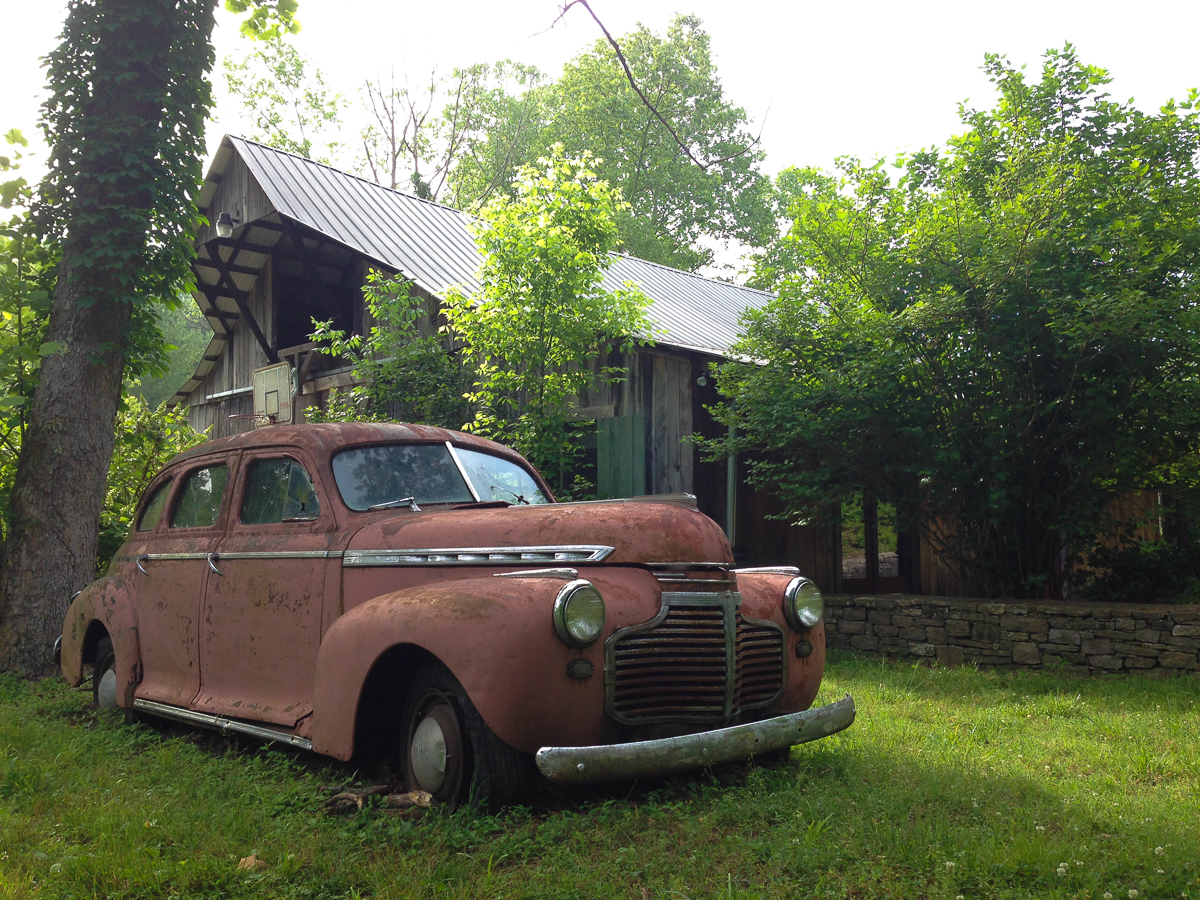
{"x": 225, "y": 223}
{"x": 701, "y": 381}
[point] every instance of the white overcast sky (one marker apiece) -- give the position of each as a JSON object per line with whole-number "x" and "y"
{"x": 867, "y": 79}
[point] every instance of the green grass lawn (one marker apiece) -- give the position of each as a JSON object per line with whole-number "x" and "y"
{"x": 951, "y": 784}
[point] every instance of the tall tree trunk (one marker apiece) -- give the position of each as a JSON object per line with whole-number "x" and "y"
{"x": 109, "y": 194}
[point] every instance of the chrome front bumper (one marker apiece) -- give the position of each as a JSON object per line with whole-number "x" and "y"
{"x": 641, "y": 759}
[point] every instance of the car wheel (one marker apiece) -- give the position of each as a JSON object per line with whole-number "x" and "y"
{"x": 448, "y": 750}
{"x": 104, "y": 676}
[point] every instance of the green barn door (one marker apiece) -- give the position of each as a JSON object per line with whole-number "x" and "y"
{"x": 621, "y": 457}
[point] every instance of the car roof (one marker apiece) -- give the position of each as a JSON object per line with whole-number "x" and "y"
{"x": 324, "y": 439}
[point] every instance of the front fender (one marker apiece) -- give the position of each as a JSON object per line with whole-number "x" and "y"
{"x": 762, "y": 598}
{"x": 107, "y": 602}
{"x": 497, "y": 636}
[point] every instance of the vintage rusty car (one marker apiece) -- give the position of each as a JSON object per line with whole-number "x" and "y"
{"x": 346, "y": 587}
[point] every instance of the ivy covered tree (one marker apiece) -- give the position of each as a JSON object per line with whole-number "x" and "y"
{"x": 539, "y": 328}
{"x": 999, "y": 343}
{"x": 128, "y": 98}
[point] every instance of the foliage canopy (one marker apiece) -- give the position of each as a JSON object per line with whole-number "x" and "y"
{"x": 671, "y": 203}
{"x": 287, "y": 98}
{"x": 999, "y": 343}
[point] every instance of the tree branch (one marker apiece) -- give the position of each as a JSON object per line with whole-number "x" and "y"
{"x": 704, "y": 165}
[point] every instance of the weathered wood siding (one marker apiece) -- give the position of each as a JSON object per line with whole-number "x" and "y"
{"x": 670, "y": 465}
{"x": 239, "y": 195}
{"x": 240, "y": 356}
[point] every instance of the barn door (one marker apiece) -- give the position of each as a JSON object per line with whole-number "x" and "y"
{"x": 621, "y": 457}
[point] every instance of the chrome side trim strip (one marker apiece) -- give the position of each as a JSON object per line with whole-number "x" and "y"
{"x": 252, "y": 554}
{"x": 686, "y": 566}
{"x": 220, "y": 723}
{"x": 563, "y": 574}
{"x": 290, "y": 554}
{"x": 642, "y": 759}
{"x": 477, "y": 556}
{"x": 768, "y": 570}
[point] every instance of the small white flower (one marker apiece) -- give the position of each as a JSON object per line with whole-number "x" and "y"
{"x": 1107, "y": 896}
{"x": 949, "y": 865}
{"x": 1132, "y": 893}
{"x": 1159, "y": 851}
{"x": 1039, "y": 828}
{"x": 1161, "y": 872}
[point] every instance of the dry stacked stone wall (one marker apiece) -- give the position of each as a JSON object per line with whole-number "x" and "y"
{"x": 1083, "y": 637}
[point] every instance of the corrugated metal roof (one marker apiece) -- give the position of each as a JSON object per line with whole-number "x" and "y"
{"x": 432, "y": 245}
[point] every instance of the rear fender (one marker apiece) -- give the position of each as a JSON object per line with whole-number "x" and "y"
{"x": 103, "y": 606}
{"x": 496, "y": 635}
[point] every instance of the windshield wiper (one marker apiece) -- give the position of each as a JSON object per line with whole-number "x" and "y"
{"x": 520, "y": 498}
{"x": 410, "y": 502}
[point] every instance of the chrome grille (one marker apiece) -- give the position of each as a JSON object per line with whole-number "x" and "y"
{"x": 699, "y": 660}
{"x": 759, "y": 664}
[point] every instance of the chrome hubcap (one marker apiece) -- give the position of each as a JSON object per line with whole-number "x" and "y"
{"x": 106, "y": 695}
{"x": 428, "y": 755}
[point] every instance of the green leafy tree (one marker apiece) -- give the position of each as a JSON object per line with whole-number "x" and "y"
{"x": 405, "y": 370}
{"x": 124, "y": 120}
{"x": 539, "y": 328}
{"x": 187, "y": 334}
{"x": 146, "y": 438}
{"x": 998, "y": 344}
{"x": 672, "y": 203}
{"x": 26, "y": 278}
{"x": 503, "y": 131}
{"x": 287, "y": 99}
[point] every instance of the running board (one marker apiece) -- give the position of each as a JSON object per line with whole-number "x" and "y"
{"x": 220, "y": 724}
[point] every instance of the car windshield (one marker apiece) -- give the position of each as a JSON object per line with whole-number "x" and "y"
{"x": 371, "y": 476}
{"x": 496, "y": 478}
{"x": 427, "y": 473}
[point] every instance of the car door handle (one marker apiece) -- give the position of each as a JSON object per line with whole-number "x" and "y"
{"x": 138, "y": 563}
{"x": 212, "y": 559}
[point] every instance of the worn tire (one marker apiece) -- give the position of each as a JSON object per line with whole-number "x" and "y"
{"x": 448, "y": 750}
{"x": 104, "y": 676}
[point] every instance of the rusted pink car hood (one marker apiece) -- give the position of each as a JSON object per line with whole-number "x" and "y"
{"x": 639, "y": 532}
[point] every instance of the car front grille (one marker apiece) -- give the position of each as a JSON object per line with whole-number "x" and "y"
{"x": 699, "y": 660}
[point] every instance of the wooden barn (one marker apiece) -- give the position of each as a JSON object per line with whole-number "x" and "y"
{"x": 292, "y": 240}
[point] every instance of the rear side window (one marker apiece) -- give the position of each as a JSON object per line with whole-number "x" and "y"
{"x": 279, "y": 490}
{"x": 154, "y": 507}
{"x": 199, "y": 503}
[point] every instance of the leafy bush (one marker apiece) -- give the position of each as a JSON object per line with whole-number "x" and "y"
{"x": 146, "y": 439}
{"x": 1159, "y": 571}
{"x": 999, "y": 344}
{"x": 405, "y": 373}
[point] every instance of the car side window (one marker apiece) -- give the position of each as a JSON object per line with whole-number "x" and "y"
{"x": 154, "y": 507}
{"x": 199, "y": 503}
{"x": 278, "y": 490}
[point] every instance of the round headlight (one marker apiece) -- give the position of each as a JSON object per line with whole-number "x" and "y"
{"x": 802, "y": 604}
{"x": 578, "y": 614}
